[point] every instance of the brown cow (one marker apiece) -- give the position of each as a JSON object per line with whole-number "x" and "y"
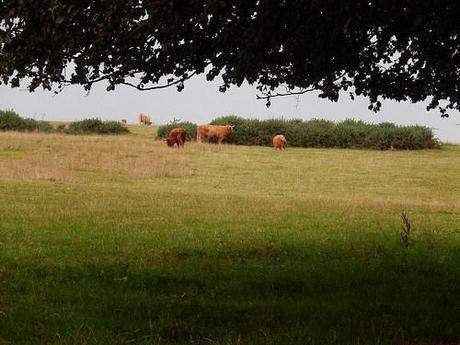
{"x": 144, "y": 119}
{"x": 279, "y": 142}
{"x": 176, "y": 136}
{"x": 213, "y": 132}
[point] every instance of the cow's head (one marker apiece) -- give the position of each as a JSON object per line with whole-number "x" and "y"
{"x": 230, "y": 128}
{"x": 169, "y": 142}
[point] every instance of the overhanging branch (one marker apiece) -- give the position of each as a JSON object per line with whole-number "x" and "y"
{"x": 164, "y": 86}
{"x": 268, "y": 95}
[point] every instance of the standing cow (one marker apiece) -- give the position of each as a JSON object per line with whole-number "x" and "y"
{"x": 213, "y": 132}
{"x": 176, "y": 136}
{"x": 144, "y": 119}
{"x": 279, "y": 142}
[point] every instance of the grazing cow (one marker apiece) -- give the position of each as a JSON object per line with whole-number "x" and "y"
{"x": 213, "y": 133}
{"x": 176, "y": 136}
{"x": 279, "y": 142}
{"x": 144, "y": 119}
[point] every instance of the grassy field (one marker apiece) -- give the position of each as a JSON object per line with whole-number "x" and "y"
{"x": 122, "y": 240}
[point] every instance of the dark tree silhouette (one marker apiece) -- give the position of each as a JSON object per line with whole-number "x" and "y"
{"x": 395, "y": 49}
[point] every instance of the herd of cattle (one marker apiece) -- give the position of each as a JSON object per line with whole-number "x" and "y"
{"x": 209, "y": 133}
{"x": 213, "y": 133}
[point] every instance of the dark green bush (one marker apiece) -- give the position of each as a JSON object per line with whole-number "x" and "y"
{"x": 96, "y": 126}
{"x": 323, "y": 133}
{"x": 11, "y": 121}
{"x": 190, "y": 128}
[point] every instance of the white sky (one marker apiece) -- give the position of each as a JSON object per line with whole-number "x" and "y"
{"x": 201, "y": 101}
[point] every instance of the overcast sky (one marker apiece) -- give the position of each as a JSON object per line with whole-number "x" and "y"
{"x": 201, "y": 101}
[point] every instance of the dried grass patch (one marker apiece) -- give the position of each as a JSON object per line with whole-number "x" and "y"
{"x": 61, "y": 157}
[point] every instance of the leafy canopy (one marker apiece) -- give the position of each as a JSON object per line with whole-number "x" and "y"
{"x": 395, "y": 49}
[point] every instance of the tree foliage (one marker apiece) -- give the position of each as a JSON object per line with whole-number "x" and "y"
{"x": 395, "y": 49}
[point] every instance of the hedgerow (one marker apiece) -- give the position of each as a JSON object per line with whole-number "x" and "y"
{"x": 96, "y": 126}
{"x": 190, "y": 128}
{"x": 321, "y": 133}
{"x": 11, "y": 121}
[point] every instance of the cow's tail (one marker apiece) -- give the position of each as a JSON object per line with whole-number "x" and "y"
{"x": 198, "y": 136}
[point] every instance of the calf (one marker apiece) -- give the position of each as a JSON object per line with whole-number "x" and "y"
{"x": 176, "y": 136}
{"x": 279, "y": 142}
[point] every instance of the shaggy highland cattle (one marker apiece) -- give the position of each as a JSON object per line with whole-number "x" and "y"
{"x": 144, "y": 119}
{"x": 213, "y": 133}
{"x": 176, "y": 137}
{"x": 279, "y": 142}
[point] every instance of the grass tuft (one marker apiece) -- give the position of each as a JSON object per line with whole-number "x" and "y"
{"x": 406, "y": 230}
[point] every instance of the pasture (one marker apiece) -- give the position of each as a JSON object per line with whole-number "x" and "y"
{"x": 122, "y": 240}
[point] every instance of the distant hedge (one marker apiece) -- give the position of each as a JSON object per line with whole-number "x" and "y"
{"x": 89, "y": 126}
{"x": 11, "y": 121}
{"x": 323, "y": 133}
{"x": 190, "y": 128}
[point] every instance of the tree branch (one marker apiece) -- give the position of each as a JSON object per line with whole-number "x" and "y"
{"x": 288, "y": 93}
{"x": 164, "y": 86}
{"x": 268, "y": 95}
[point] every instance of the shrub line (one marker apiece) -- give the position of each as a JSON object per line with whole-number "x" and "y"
{"x": 318, "y": 133}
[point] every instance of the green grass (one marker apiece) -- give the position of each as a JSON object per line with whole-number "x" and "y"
{"x": 121, "y": 240}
